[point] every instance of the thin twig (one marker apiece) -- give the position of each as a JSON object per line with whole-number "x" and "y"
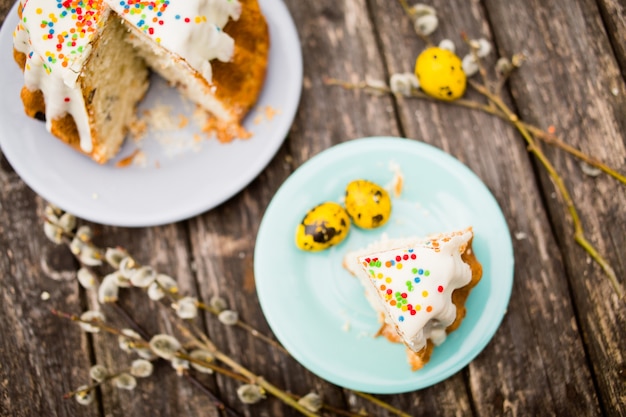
{"x": 481, "y": 67}
{"x": 252, "y": 378}
{"x": 555, "y": 141}
{"x": 330, "y": 408}
{"x": 200, "y": 338}
{"x": 381, "y": 404}
{"x": 143, "y": 343}
{"x": 216, "y": 402}
{"x": 540, "y": 134}
{"x": 411, "y": 14}
{"x": 579, "y": 235}
{"x": 251, "y": 330}
{"x": 94, "y": 385}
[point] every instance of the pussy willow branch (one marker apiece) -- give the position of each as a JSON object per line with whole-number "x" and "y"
{"x": 540, "y": 134}
{"x": 96, "y": 384}
{"x": 217, "y": 402}
{"x": 222, "y": 357}
{"x": 67, "y": 237}
{"x": 249, "y": 375}
{"x": 200, "y": 344}
{"x": 235, "y": 366}
{"x": 409, "y": 11}
{"x": 142, "y": 343}
{"x": 253, "y": 332}
{"x": 505, "y": 114}
{"x": 579, "y": 234}
{"x": 529, "y": 133}
{"x": 200, "y": 338}
{"x": 196, "y": 334}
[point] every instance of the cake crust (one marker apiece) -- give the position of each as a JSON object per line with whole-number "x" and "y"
{"x": 417, "y": 360}
{"x": 240, "y": 81}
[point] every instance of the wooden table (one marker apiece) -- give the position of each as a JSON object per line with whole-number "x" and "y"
{"x": 560, "y": 349}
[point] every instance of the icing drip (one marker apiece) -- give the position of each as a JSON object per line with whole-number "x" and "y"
{"x": 55, "y": 35}
{"x": 191, "y": 29}
{"x": 415, "y": 285}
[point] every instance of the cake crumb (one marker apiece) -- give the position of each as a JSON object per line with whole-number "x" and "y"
{"x": 126, "y": 161}
{"x": 396, "y": 184}
{"x": 138, "y": 129}
{"x": 225, "y": 133}
{"x": 140, "y": 159}
{"x": 166, "y": 126}
{"x": 270, "y": 112}
{"x": 346, "y": 326}
{"x": 45, "y": 296}
{"x": 160, "y": 118}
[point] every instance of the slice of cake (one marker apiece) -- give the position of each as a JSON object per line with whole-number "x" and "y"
{"x": 86, "y": 62}
{"x": 418, "y": 286}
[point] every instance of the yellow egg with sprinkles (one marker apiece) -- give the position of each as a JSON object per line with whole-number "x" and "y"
{"x": 440, "y": 74}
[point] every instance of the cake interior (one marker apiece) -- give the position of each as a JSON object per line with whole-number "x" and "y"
{"x": 113, "y": 81}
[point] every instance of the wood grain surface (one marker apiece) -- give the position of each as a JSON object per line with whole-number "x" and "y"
{"x": 560, "y": 348}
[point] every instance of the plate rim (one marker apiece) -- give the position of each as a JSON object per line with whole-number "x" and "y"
{"x": 287, "y": 40}
{"x": 337, "y": 152}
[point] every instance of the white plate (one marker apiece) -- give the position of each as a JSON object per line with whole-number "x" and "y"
{"x": 318, "y": 310}
{"x": 173, "y": 185}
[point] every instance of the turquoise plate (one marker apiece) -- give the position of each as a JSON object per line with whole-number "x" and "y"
{"x": 318, "y": 311}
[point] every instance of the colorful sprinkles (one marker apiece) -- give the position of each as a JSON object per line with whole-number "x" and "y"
{"x": 66, "y": 30}
{"x": 410, "y": 292}
{"x": 150, "y": 15}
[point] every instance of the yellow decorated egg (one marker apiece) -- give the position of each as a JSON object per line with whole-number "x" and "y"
{"x": 323, "y": 226}
{"x": 440, "y": 73}
{"x": 368, "y": 204}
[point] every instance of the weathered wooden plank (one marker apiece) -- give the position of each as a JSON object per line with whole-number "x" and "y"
{"x": 614, "y": 19}
{"x": 338, "y": 42}
{"x": 223, "y": 246}
{"x": 570, "y": 60}
{"x": 534, "y": 328}
{"x": 34, "y": 372}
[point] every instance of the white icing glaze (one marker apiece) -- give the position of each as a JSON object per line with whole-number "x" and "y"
{"x": 414, "y": 285}
{"x": 191, "y": 29}
{"x": 56, "y": 36}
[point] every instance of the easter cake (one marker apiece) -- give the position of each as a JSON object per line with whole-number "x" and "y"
{"x": 418, "y": 287}
{"x": 86, "y": 63}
